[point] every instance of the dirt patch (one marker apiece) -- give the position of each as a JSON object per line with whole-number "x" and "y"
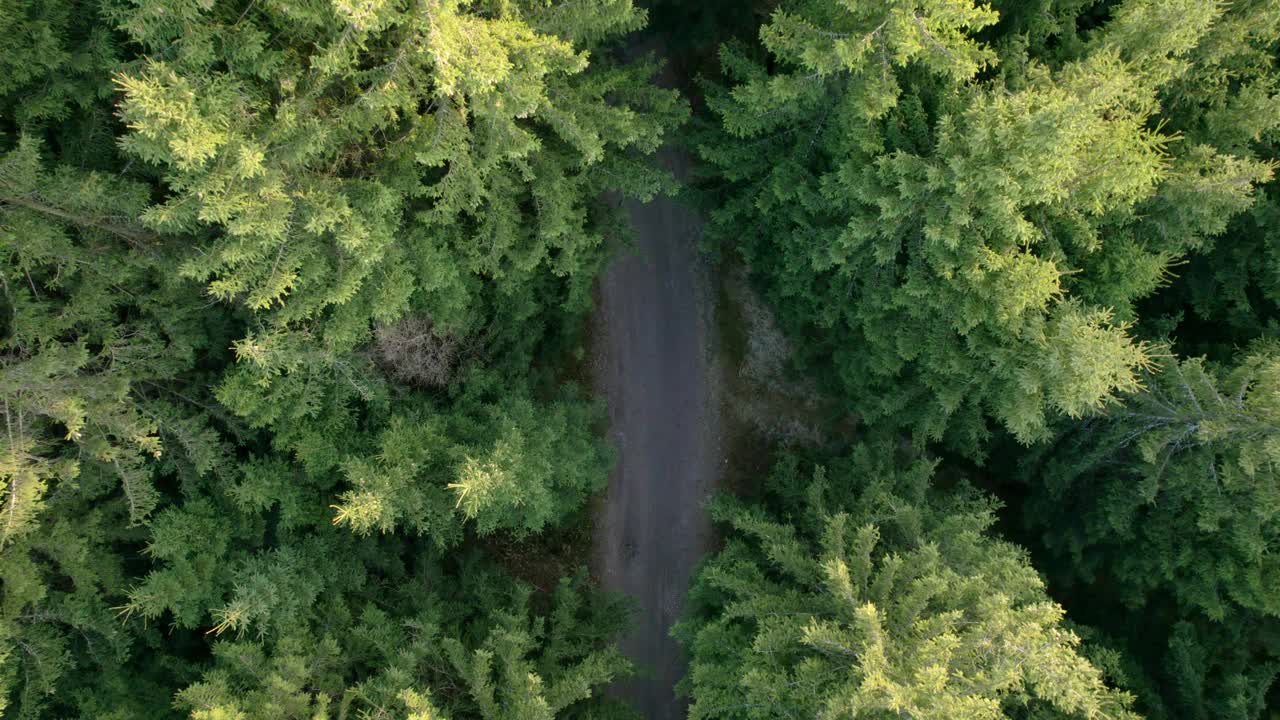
{"x": 763, "y": 395}
{"x": 543, "y": 559}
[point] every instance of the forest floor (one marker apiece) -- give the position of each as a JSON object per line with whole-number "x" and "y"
{"x": 655, "y": 364}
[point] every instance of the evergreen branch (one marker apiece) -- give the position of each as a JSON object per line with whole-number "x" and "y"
{"x": 133, "y": 235}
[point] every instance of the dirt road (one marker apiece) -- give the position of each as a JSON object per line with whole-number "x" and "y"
{"x": 653, "y": 363}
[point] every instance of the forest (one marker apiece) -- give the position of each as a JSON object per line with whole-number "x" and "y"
{"x": 296, "y": 305}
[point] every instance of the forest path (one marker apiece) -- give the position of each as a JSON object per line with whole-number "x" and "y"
{"x": 654, "y": 364}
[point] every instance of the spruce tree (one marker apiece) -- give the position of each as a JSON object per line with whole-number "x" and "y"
{"x": 208, "y": 212}
{"x": 957, "y": 222}
{"x": 862, "y": 593}
{"x": 1170, "y": 501}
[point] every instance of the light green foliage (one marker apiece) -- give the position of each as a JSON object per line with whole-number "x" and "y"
{"x": 882, "y": 599}
{"x": 959, "y": 228}
{"x": 493, "y": 453}
{"x": 541, "y": 463}
{"x": 338, "y": 165}
{"x": 498, "y": 458}
{"x": 384, "y": 151}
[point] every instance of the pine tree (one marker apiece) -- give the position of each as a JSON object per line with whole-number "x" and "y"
{"x": 1184, "y": 471}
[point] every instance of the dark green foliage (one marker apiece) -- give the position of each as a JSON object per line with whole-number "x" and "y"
{"x": 958, "y": 221}
{"x": 1183, "y": 476}
{"x": 1172, "y": 500}
{"x": 1226, "y": 297}
{"x": 101, "y": 386}
{"x": 330, "y": 624}
{"x": 307, "y": 619}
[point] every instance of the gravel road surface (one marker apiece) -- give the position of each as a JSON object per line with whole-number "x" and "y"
{"x": 653, "y": 364}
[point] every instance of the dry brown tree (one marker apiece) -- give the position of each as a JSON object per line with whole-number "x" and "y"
{"x": 411, "y": 352}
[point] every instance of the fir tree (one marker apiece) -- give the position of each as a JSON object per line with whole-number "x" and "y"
{"x": 1171, "y": 500}
{"x": 879, "y": 598}
{"x": 960, "y": 229}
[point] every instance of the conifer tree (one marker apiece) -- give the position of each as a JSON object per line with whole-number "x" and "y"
{"x": 349, "y": 161}
{"x": 1184, "y": 473}
{"x": 492, "y": 454}
{"x": 863, "y": 594}
{"x": 1228, "y": 296}
{"x": 509, "y": 462}
{"x": 340, "y": 165}
{"x": 450, "y": 660}
{"x": 98, "y": 347}
{"x": 959, "y": 228}
{"x": 1171, "y": 500}
{"x": 206, "y": 210}
{"x": 308, "y": 619}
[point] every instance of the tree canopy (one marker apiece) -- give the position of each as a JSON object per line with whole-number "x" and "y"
{"x": 293, "y": 302}
{"x": 958, "y": 211}
{"x": 215, "y": 217}
{"x": 874, "y": 596}
{"x": 1035, "y": 236}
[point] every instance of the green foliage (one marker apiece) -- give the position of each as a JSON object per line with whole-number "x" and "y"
{"x": 1174, "y": 495}
{"x": 1185, "y": 474}
{"x": 54, "y": 56}
{"x": 979, "y": 218}
{"x": 308, "y": 619}
{"x": 957, "y": 221}
{"x": 1226, "y": 298}
{"x": 68, "y": 367}
{"x": 878, "y": 598}
{"x": 511, "y": 463}
{"x": 440, "y": 656}
{"x": 230, "y": 491}
{"x": 386, "y": 150}
{"x": 206, "y": 210}
{"x": 98, "y": 342}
